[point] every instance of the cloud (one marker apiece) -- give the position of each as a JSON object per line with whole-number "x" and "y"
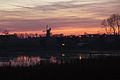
{"x": 59, "y": 14}
{"x": 21, "y": 6}
{"x": 75, "y": 4}
{"x": 39, "y": 24}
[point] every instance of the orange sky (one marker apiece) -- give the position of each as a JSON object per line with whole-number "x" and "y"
{"x": 69, "y": 31}
{"x": 64, "y": 16}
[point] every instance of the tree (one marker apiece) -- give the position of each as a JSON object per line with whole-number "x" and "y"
{"x": 112, "y": 24}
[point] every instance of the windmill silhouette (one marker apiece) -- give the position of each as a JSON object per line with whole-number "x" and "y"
{"x": 47, "y": 31}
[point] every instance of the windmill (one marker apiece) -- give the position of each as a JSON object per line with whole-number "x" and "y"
{"x": 47, "y": 31}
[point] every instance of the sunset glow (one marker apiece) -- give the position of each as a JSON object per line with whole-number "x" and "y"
{"x": 64, "y": 16}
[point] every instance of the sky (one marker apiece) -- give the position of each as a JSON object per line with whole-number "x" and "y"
{"x": 64, "y": 16}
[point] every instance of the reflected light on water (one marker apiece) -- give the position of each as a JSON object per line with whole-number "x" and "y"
{"x": 80, "y": 57}
{"x": 34, "y": 60}
{"x": 53, "y": 59}
{"x": 25, "y": 61}
{"x": 22, "y": 61}
{"x": 63, "y": 55}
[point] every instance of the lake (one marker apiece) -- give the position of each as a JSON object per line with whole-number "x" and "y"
{"x": 31, "y": 59}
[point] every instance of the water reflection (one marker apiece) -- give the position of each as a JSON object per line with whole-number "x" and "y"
{"x": 22, "y": 61}
{"x": 53, "y": 59}
{"x": 27, "y": 61}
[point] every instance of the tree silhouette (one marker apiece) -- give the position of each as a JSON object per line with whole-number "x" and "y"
{"x": 112, "y": 24}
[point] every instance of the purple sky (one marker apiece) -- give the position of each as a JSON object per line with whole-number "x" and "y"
{"x": 64, "y": 16}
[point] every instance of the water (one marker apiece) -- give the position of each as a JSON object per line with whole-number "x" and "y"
{"x": 31, "y": 60}
{"x": 20, "y": 61}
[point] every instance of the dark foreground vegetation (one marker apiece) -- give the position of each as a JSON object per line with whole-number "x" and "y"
{"x": 100, "y": 68}
{"x": 11, "y": 43}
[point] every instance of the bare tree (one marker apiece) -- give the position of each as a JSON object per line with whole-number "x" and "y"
{"x": 112, "y": 24}
{"x": 117, "y": 22}
{"x": 107, "y": 28}
{"x": 104, "y": 23}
